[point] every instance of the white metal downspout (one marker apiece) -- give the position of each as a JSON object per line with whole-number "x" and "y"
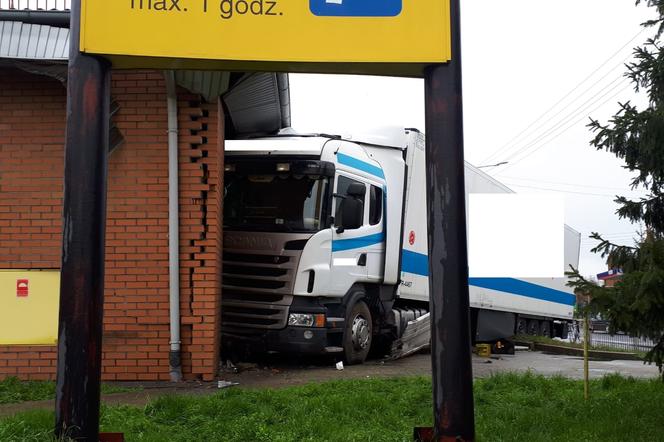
{"x": 173, "y": 226}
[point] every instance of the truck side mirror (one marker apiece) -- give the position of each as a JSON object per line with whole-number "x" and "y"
{"x": 351, "y": 214}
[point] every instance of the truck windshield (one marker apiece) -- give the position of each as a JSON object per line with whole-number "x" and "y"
{"x": 279, "y": 202}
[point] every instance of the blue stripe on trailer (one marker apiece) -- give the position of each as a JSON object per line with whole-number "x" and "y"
{"x": 340, "y": 245}
{"x": 360, "y": 165}
{"x": 523, "y": 288}
{"x": 418, "y": 264}
{"x": 415, "y": 263}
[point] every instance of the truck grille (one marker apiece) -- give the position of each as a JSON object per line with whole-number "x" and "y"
{"x": 257, "y": 281}
{"x": 259, "y": 272}
{"x": 240, "y": 313}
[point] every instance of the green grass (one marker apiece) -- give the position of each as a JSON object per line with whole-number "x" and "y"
{"x": 13, "y": 390}
{"x": 509, "y": 407}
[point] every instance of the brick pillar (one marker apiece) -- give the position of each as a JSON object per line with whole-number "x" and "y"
{"x": 201, "y": 194}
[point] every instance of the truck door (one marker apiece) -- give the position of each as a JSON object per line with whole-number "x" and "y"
{"x": 350, "y": 247}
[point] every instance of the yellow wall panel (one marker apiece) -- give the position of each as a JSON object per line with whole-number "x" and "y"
{"x": 29, "y": 303}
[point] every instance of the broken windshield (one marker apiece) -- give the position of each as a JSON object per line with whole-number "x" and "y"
{"x": 275, "y": 202}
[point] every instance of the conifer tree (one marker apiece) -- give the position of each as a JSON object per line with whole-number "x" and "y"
{"x": 636, "y": 303}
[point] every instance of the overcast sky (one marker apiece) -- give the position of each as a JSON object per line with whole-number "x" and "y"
{"x": 520, "y": 59}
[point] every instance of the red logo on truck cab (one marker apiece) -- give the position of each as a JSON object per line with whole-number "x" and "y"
{"x": 411, "y": 238}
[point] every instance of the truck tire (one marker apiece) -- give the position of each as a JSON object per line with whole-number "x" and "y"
{"x": 358, "y": 334}
{"x": 545, "y": 329}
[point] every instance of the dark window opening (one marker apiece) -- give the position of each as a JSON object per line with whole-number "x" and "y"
{"x": 281, "y": 202}
{"x": 342, "y": 189}
{"x": 375, "y": 205}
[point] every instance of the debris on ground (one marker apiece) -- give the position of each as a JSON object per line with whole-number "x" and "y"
{"x": 226, "y": 384}
{"x": 415, "y": 337}
{"x": 340, "y": 365}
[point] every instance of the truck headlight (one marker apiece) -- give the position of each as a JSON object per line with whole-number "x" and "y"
{"x": 306, "y": 320}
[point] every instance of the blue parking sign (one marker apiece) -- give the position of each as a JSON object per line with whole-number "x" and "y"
{"x": 356, "y": 8}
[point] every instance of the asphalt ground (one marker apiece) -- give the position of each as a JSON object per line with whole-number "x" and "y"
{"x": 282, "y": 371}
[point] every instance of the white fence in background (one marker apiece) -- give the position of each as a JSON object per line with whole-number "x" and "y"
{"x": 620, "y": 342}
{"x": 605, "y": 340}
{"x": 36, "y": 5}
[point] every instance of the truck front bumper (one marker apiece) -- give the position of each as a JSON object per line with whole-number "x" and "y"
{"x": 298, "y": 340}
{"x": 293, "y": 339}
{"x": 303, "y": 340}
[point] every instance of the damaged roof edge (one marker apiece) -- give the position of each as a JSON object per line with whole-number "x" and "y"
{"x": 260, "y": 103}
{"x": 48, "y": 18}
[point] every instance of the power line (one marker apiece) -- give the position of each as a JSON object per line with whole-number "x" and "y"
{"x": 619, "y": 78}
{"x": 564, "y": 191}
{"x": 575, "y": 113}
{"x": 566, "y": 184}
{"x": 620, "y": 233}
{"x": 604, "y": 235}
{"x": 512, "y": 163}
{"x": 612, "y": 238}
{"x": 629, "y": 235}
{"x": 487, "y": 159}
{"x": 623, "y": 235}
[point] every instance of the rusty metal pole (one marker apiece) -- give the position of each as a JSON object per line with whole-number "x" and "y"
{"x": 84, "y": 221}
{"x": 448, "y": 256}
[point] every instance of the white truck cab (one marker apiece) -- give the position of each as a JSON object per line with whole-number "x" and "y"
{"x": 325, "y": 244}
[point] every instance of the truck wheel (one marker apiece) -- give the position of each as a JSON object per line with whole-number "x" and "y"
{"x": 545, "y": 329}
{"x": 533, "y": 327}
{"x": 357, "y": 336}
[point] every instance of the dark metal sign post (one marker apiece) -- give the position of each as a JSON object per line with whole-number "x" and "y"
{"x": 82, "y": 277}
{"x": 448, "y": 254}
{"x": 84, "y": 222}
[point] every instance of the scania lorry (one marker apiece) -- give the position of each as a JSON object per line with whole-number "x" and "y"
{"x": 325, "y": 249}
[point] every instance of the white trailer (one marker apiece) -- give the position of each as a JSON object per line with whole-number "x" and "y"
{"x": 325, "y": 248}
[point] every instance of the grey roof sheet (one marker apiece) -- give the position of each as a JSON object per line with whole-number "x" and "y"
{"x": 24, "y": 41}
{"x": 210, "y": 84}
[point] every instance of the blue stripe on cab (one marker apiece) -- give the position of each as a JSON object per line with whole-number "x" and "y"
{"x": 416, "y": 263}
{"x": 523, "y": 288}
{"x": 349, "y": 161}
{"x": 340, "y": 245}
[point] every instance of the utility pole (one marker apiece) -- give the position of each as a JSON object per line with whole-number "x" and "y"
{"x": 84, "y": 221}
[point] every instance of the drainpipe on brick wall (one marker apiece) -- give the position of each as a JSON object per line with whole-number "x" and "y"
{"x": 175, "y": 360}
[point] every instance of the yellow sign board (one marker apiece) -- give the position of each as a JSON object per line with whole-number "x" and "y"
{"x": 174, "y": 32}
{"x": 29, "y": 303}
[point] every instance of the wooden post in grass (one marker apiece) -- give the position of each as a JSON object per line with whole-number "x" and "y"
{"x": 582, "y": 301}
{"x": 586, "y": 344}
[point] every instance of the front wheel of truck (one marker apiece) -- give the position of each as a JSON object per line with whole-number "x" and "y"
{"x": 358, "y": 334}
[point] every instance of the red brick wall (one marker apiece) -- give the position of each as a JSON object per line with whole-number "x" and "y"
{"x": 32, "y": 121}
{"x": 136, "y": 315}
{"x": 32, "y": 116}
{"x": 136, "y": 320}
